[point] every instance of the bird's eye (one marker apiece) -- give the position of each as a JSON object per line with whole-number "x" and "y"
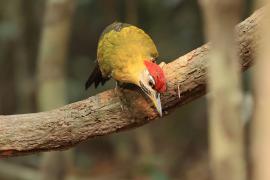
{"x": 154, "y": 60}
{"x": 151, "y": 84}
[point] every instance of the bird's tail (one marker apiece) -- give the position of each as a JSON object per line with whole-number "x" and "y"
{"x": 95, "y": 77}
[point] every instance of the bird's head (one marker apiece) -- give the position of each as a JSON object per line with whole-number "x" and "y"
{"x": 152, "y": 82}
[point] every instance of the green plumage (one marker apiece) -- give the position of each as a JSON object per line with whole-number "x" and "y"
{"x": 122, "y": 50}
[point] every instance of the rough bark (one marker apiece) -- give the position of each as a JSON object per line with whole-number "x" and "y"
{"x": 112, "y": 111}
{"x": 224, "y": 82}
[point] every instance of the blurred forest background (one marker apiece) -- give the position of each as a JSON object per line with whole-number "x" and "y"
{"x": 174, "y": 147}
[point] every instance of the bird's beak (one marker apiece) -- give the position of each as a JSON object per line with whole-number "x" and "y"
{"x": 155, "y": 97}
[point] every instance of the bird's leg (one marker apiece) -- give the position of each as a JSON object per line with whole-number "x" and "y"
{"x": 116, "y": 90}
{"x": 116, "y": 87}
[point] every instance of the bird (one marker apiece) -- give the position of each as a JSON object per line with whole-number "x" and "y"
{"x": 128, "y": 55}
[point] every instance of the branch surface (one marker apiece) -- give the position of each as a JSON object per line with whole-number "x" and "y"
{"x": 112, "y": 111}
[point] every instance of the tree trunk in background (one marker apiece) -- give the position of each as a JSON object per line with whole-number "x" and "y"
{"x": 132, "y": 12}
{"x": 7, "y": 45}
{"x": 51, "y": 69}
{"x": 225, "y": 98}
{"x": 261, "y": 124}
{"x": 22, "y": 53}
{"x": 110, "y": 10}
{"x": 19, "y": 33}
{"x": 26, "y": 52}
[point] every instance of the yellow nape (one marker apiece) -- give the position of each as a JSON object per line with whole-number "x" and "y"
{"x": 122, "y": 52}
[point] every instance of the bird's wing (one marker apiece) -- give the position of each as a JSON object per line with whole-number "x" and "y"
{"x": 96, "y": 77}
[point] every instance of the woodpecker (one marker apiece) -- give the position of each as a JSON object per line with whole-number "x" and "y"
{"x": 128, "y": 55}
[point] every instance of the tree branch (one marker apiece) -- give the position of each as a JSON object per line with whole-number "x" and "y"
{"x": 112, "y": 111}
